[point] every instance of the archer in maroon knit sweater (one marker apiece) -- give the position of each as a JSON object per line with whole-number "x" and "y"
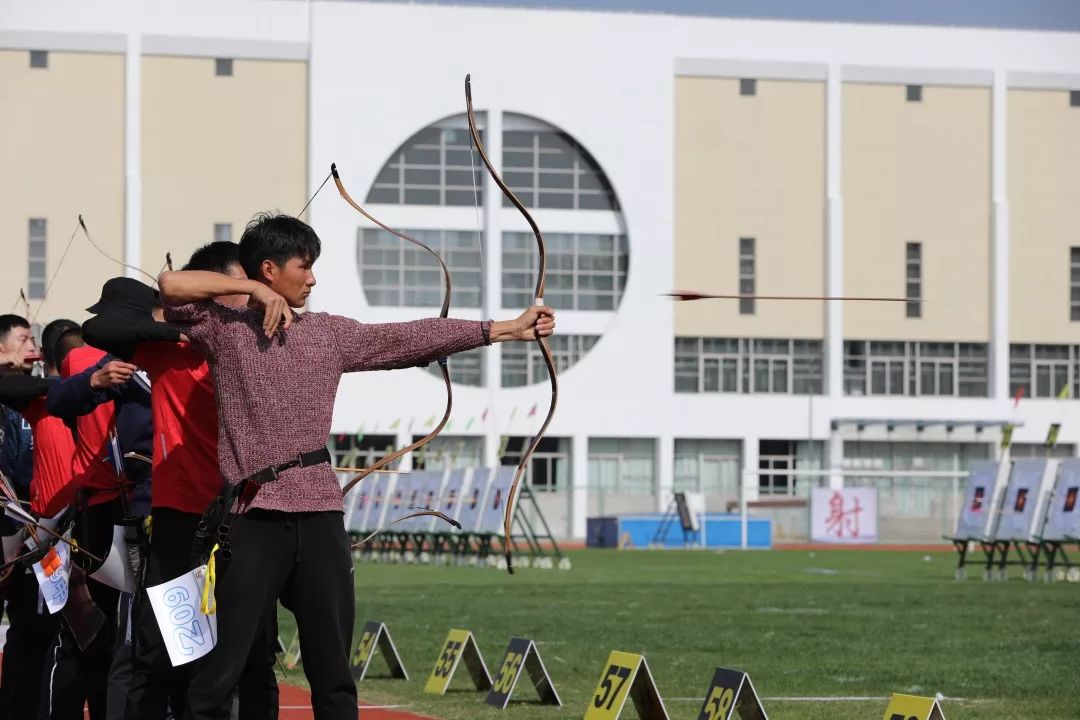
{"x": 276, "y": 375}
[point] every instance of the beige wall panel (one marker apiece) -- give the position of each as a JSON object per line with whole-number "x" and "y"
{"x": 218, "y": 149}
{"x": 1044, "y": 208}
{"x": 62, "y": 144}
{"x": 750, "y": 167}
{"x": 917, "y": 172}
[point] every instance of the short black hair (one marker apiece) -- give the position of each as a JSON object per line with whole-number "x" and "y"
{"x": 9, "y": 322}
{"x": 69, "y": 340}
{"x": 279, "y": 239}
{"x": 215, "y": 257}
{"x": 50, "y": 335}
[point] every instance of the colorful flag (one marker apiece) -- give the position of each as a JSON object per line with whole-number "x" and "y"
{"x": 1064, "y": 394}
{"x": 1019, "y": 395}
{"x": 394, "y": 425}
{"x": 1052, "y": 435}
{"x": 469, "y": 424}
{"x": 483, "y": 418}
{"x": 533, "y": 411}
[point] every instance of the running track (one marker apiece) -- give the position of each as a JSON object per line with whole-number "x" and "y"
{"x": 296, "y": 705}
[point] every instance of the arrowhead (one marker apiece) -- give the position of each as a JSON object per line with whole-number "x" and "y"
{"x": 686, "y": 295}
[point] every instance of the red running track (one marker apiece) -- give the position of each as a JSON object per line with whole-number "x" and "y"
{"x": 296, "y": 705}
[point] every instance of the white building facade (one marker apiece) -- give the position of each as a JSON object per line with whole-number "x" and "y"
{"x": 602, "y": 120}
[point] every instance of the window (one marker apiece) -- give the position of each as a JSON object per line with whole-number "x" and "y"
{"x": 916, "y": 368}
{"x": 748, "y": 365}
{"x": 466, "y": 368}
{"x": 746, "y": 275}
{"x": 35, "y": 271}
{"x": 914, "y": 93}
{"x": 708, "y": 466}
{"x": 549, "y": 466}
{"x": 394, "y": 272}
{"x": 546, "y": 168}
{"x": 222, "y": 232}
{"x": 778, "y": 458}
{"x": 913, "y": 280}
{"x": 39, "y": 58}
{"x": 585, "y": 271}
{"x": 622, "y": 465}
{"x": 1074, "y": 98}
{"x": 1039, "y": 451}
{"x": 748, "y": 87}
{"x": 1074, "y": 284}
{"x": 911, "y": 495}
{"x": 523, "y": 364}
{"x": 436, "y": 166}
{"x": 449, "y": 452}
{"x": 223, "y": 67}
{"x": 1044, "y": 371}
{"x": 360, "y": 450}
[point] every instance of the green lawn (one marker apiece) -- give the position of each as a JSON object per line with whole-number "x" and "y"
{"x": 830, "y": 623}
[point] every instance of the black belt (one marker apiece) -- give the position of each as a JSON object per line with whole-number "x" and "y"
{"x": 218, "y": 514}
{"x": 269, "y": 474}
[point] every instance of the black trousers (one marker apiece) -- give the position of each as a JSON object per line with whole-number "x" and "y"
{"x": 121, "y": 671}
{"x": 74, "y": 677}
{"x": 30, "y": 630}
{"x": 157, "y": 686}
{"x": 305, "y": 560}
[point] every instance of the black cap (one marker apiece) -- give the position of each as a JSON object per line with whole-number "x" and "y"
{"x": 125, "y": 294}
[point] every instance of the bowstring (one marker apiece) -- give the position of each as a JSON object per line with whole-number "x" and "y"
{"x": 86, "y": 231}
{"x": 56, "y": 272}
{"x": 312, "y": 198}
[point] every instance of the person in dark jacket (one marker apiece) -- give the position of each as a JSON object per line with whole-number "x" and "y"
{"x": 30, "y": 625}
{"x": 112, "y": 381}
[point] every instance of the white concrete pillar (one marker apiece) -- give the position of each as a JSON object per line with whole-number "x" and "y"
{"x": 999, "y": 247}
{"x": 579, "y": 484}
{"x": 491, "y": 247}
{"x": 834, "y": 234}
{"x": 750, "y": 468}
{"x": 835, "y": 456}
{"x": 401, "y": 439}
{"x": 665, "y": 471}
{"x": 133, "y": 149}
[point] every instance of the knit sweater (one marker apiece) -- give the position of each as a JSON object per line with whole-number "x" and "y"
{"x": 275, "y": 397}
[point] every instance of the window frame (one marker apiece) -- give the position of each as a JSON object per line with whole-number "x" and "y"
{"x": 37, "y": 258}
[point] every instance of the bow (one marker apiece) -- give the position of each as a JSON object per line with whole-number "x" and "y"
{"x": 538, "y": 299}
{"x": 391, "y": 457}
{"x": 403, "y": 518}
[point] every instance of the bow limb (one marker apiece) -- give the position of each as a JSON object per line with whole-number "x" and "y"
{"x": 403, "y": 518}
{"x": 387, "y": 459}
{"x": 438, "y": 258}
{"x": 443, "y": 312}
{"x": 538, "y": 299}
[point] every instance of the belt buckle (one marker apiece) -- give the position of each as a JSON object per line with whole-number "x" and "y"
{"x": 297, "y": 461}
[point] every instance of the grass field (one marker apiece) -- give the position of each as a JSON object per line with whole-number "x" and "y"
{"x": 827, "y": 624}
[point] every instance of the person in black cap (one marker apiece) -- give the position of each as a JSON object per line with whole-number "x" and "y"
{"x": 186, "y": 480}
{"x": 124, "y": 385}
